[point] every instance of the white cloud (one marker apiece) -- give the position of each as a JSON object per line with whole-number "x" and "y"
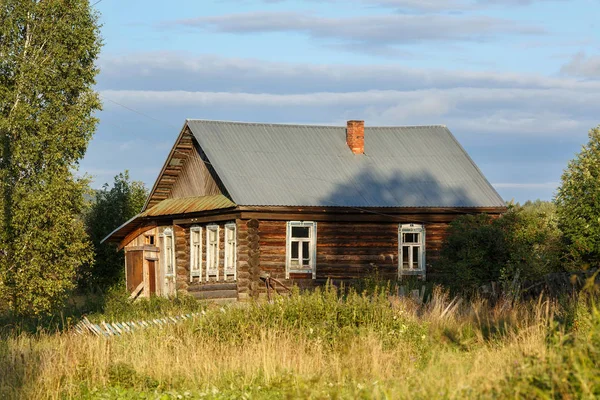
{"x": 492, "y": 111}
{"x": 582, "y": 66}
{"x": 180, "y": 71}
{"x": 430, "y": 5}
{"x": 366, "y": 32}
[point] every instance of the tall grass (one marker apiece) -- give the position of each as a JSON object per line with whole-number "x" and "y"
{"x": 324, "y": 345}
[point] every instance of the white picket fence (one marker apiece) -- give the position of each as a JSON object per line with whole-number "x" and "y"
{"x": 108, "y": 329}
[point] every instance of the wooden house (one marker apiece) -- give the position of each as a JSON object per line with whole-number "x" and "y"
{"x": 235, "y": 202}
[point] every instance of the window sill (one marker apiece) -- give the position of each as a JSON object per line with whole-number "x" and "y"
{"x": 412, "y": 272}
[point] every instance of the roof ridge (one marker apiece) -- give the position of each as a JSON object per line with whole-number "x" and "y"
{"x": 310, "y": 125}
{"x": 262, "y": 123}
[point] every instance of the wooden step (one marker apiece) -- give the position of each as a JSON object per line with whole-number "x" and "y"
{"x": 215, "y": 294}
{"x": 212, "y": 287}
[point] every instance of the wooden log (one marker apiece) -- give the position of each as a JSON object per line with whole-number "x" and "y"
{"x": 215, "y": 294}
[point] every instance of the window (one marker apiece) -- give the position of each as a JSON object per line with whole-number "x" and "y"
{"x": 168, "y": 252}
{"x": 230, "y": 251}
{"x": 212, "y": 251}
{"x": 411, "y": 249}
{"x": 195, "y": 253}
{"x": 301, "y": 245}
{"x": 149, "y": 240}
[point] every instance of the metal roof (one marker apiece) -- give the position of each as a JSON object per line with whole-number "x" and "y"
{"x": 167, "y": 207}
{"x": 186, "y": 205}
{"x": 307, "y": 165}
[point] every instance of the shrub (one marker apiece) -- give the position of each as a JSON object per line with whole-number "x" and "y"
{"x": 525, "y": 242}
{"x": 578, "y": 203}
{"x": 475, "y": 252}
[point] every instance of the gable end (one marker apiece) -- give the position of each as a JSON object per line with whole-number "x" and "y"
{"x": 186, "y": 173}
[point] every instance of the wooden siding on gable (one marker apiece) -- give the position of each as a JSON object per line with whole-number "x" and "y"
{"x": 194, "y": 179}
{"x": 184, "y": 174}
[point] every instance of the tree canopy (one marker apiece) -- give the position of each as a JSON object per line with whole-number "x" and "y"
{"x": 111, "y": 208}
{"x": 525, "y": 242}
{"x": 47, "y": 104}
{"x": 578, "y": 203}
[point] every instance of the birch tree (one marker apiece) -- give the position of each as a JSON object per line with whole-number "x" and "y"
{"x": 47, "y": 53}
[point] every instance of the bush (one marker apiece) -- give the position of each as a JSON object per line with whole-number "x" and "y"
{"x": 525, "y": 242}
{"x": 475, "y": 252}
{"x": 578, "y": 203}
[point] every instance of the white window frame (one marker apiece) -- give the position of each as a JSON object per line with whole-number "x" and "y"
{"x": 227, "y": 270}
{"x": 169, "y": 257}
{"x": 195, "y": 253}
{"x": 411, "y": 228}
{"x": 312, "y": 240}
{"x": 210, "y": 272}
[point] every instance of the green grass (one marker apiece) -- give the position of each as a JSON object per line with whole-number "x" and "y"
{"x": 320, "y": 345}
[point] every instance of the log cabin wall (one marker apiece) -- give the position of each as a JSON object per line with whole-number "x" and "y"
{"x": 223, "y": 288}
{"x": 345, "y": 251}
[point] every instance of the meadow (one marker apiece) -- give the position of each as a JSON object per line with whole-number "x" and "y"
{"x": 320, "y": 345}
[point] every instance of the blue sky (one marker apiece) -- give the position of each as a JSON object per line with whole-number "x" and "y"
{"x": 516, "y": 81}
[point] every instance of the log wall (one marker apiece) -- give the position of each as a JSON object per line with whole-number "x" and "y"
{"x": 182, "y": 239}
{"x": 345, "y": 250}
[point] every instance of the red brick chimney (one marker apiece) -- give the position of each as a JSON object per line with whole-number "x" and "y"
{"x": 355, "y": 136}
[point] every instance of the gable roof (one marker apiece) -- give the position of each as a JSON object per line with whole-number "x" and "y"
{"x": 306, "y": 165}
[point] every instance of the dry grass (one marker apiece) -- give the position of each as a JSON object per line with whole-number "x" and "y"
{"x": 393, "y": 349}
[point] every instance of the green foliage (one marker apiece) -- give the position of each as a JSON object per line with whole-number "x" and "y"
{"x": 571, "y": 371}
{"x": 533, "y": 240}
{"x": 47, "y": 73}
{"x": 111, "y": 208}
{"x": 323, "y": 315}
{"x": 578, "y": 203}
{"x": 118, "y": 306}
{"x": 524, "y": 242}
{"x": 475, "y": 252}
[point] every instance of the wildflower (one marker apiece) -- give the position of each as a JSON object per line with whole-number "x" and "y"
{"x": 423, "y": 337}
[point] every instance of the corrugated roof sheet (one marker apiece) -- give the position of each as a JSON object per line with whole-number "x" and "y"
{"x": 186, "y": 205}
{"x": 181, "y": 205}
{"x": 305, "y": 165}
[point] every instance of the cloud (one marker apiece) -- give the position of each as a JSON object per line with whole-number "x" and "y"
{"x": 430, "y": 5}
{"x": 206, "y": 73}
{"x": 517, "y": 127}
{"x": 366, "y": 32}
{"x": 582, "y": 66}
{"x": 513, "y": 112}
{"x": 229, "y": 88}
{"x": 451, "y": 5}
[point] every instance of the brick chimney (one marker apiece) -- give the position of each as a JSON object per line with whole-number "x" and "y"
{"x": 355, "y": 136}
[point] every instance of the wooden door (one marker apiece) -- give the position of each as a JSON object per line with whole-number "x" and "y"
{"x": 152, "y": 276}
{"x": 134, "y": 270}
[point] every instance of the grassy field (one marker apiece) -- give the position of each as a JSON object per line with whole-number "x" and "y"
{"x": 321, "y": 345}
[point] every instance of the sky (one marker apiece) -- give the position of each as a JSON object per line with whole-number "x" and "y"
{"x": 516, "y": 81}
